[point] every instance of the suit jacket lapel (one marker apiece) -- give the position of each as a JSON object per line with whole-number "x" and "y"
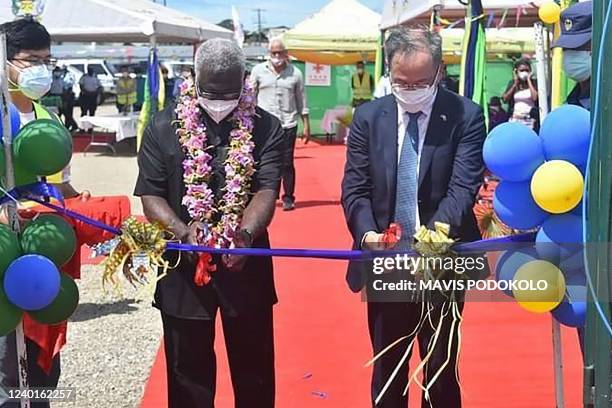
{"x": 439, "y": 127}
{"x": 389, "y": 143}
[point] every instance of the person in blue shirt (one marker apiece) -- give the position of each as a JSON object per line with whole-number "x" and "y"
{"x": 575, "y": 40}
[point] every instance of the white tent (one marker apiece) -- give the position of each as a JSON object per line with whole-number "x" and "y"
{"x": 342, "y": 32}
{"x": 398, "y": 12}
{"x": 120, "y": 21}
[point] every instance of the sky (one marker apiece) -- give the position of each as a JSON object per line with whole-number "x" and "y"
{"x": 275, "y": 12}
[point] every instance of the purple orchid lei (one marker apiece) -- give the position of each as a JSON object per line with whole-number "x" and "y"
{"x": 197, "y": 168}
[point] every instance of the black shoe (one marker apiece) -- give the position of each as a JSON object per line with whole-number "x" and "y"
{"x": 288, "y": 205}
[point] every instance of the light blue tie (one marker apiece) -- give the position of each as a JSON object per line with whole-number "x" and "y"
{"x": 407, "y": 181}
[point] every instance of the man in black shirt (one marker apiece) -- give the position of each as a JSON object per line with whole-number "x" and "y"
{"x": 242, "y": 288}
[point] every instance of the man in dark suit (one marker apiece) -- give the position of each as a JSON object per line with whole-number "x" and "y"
{"x": 414, "y": 158}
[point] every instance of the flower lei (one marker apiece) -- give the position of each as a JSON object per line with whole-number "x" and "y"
{"x": 221, "y": 219}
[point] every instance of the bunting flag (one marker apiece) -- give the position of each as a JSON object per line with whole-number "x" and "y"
{"x": 154, "y": 95}
{"x": 474, "y": 57}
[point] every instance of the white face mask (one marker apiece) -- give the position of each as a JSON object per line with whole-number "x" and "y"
{"x": 523, "y": 75}
{"x": 577, "y": 64}
{"x": 35, "y": 81}
{"x": 277, "y": 61}
{"x": 416, "y": 99}
{"x": 218, "y": 109}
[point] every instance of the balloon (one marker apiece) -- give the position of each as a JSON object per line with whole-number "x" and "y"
{"x": 540, "y": 286}
{"x": 557, "y": 186}
{"x": 10, "y": 316}
{"x": 10, "y": 249}
{"x": 566, "y": 134}
{"x": 63, "y": 306}
{"x": 32, "y": 282}
{"x": 513, "y": 152}
{"x": 515, "y": 206}
{"x": 51, "y": 236}
{"x": 572, "y": 311}
{"x": 43, "y": 147}
{"x": 559, "y": 237}
{"x": 15, "y": 122}
{"x": 23, "y": 176}
{"x": 549, "y": 12}
{"x": 510, "y": 262}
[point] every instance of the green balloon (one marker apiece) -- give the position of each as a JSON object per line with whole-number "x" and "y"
{"x": 9, "y": 248}
{"x": 43, "y": 147}
{"x": 51, "y": 236}
{"x": 23, "y": 176}
{"x": 10, "y": 315}
{"x": 63, "y": 306}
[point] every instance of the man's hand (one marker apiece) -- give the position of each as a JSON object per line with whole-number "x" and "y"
{"x": 306, "y": 133}
{"x": 235, "y": 263}
{"x": 189, "y": 235}
{"x": 373, "y": 241}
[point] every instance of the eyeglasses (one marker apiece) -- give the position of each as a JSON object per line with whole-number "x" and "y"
{"x": 417, "y": 86}
{"x": 49, "y": 62}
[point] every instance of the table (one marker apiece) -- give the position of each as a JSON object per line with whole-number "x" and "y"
{"x": 331, "y": 124}
{"x": 124, "y": 127}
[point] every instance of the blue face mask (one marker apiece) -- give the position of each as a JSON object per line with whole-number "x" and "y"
{"x": 35, "y": 81}
{"x": 577, "y": 64}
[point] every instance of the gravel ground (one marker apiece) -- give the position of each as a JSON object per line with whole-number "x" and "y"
{"x": 112, "y": 342}
{"x": 111, "y": 346}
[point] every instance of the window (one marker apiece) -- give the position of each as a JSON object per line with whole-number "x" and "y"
{"x": 80, "y": 67}
{"x": 97, "y": 69}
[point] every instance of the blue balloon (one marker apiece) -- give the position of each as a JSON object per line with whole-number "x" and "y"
{"x": 559, "y": 237}
{"x": 572, "y": 311}
{"x": 513, "y": 152}
{"x": 566, "y": 134}
{"x": 510, "y": 262}
{"x": 515, "y": 206}
{"x": 32, "y": 282}
{"x": 573, "y": 264}
{"x": 15, "y": 121}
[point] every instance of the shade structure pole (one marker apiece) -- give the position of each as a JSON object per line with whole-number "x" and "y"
{"x": 9, "y": 184}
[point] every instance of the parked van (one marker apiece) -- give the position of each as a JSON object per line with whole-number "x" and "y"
{"x": 101, "y": 68}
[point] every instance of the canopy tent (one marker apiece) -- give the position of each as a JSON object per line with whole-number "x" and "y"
{"x": 342, "y": 32}
{"x": 499, "y": 41}
{"x": 396, "y": 12}
{"x": 120, "y": 21}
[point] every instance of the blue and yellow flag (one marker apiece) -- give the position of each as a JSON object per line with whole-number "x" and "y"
{"x": 154, "y": 95}
{"x": 474, "y": 57}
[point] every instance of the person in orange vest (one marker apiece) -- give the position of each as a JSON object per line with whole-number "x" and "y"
{"x": 363, "y": 86}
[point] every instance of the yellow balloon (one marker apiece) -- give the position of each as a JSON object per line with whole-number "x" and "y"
{"x": 539, "y": 286}
{"x": 549, "y": 12}
{"x": 557, "y": 186}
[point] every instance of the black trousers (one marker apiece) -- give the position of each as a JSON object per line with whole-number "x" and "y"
{"x": 89, "y": 103}
{"x": 387, "y": 322}
{"x": 288, "y": 173}
{"x": 192, "y": 367}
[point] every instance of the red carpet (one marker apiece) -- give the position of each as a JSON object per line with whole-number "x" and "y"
{"x": 321, "y": 333}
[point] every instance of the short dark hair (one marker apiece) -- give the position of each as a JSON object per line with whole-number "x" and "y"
{"x": 407, "y": 40}
{"x": 25, "y": 34}
{"x": 523, "y": 61}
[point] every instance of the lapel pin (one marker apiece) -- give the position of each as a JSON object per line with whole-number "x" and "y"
{"x": 443, "y": 117}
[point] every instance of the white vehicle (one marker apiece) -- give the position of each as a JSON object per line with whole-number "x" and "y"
{"x": 101, "y": 68}
{"x": 174, "y": 67}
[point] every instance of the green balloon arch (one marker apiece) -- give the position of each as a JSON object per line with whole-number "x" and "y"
{"x": 51, "y": 236}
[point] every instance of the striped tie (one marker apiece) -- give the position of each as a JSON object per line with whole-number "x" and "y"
{"x": 407, "y": 181}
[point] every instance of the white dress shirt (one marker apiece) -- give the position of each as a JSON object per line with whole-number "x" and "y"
{"x": 402, "y": 124}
